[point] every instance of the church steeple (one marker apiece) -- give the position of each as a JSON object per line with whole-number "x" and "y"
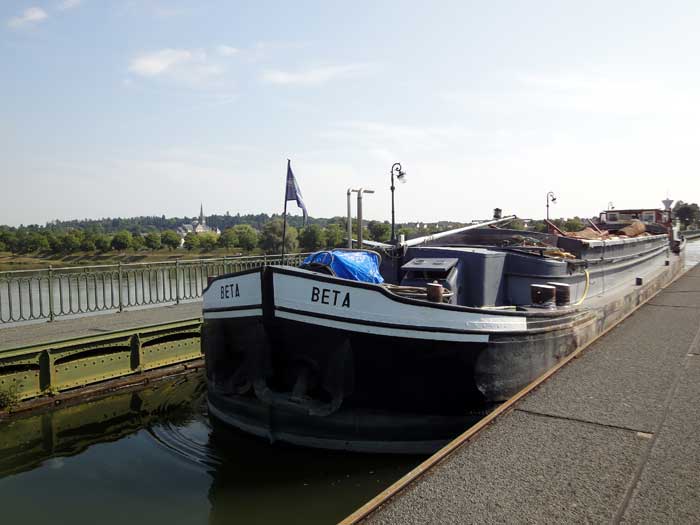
{"x": 202, "y": 220}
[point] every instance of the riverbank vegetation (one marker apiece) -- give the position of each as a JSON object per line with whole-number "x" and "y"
{"x": 151, "y": 239}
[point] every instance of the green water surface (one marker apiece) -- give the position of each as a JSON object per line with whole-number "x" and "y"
{"x": 153, "y": 456}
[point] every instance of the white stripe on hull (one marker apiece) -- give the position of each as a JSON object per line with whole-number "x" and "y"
{"x": 234, "y": 314}
{"x": 303, "y": 293}
{"x": 234, "y": 292}
{"x": 385, "y": 331}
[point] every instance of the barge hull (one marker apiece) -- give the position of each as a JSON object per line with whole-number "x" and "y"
{"x": 330, "y": 382}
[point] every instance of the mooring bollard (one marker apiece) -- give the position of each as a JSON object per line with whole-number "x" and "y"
{"x": 434, "y": 291}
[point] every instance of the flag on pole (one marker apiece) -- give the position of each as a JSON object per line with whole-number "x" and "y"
{"x": 293, "y": 192}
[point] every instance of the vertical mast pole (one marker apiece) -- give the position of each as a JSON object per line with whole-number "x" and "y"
{"x": 284, "y": 224}
{"x": 349, "y": 223}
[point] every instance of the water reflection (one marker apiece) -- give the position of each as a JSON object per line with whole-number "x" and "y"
{"x": 156, "y": 453}
{"x": 278, "y": 484}
{"x": 25, "y": 443}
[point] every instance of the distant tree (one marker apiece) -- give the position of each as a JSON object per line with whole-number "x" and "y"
{"x": 559, "y": 223}
{"x": 38, "y": 241}
{"x": 517, "y": 224}
{"x": 207, "y": 241}
{"x": 247, "y": 236}
{"x": 191, "y": 241}
{"x": 138, "y": 242}
{"x": 88, "y": 243}
{"x": 379, "y": 231}
{"x": 686, "y": 213}
{"x": 122, "y": 240}
{"x": 228, "y": 238}
{"x": 71, "y": 241}
{"x": 54, "y": 241}
{"x": 408, "y": 231}
{"x": 538, "y": 226}
{"x": 27, "y": 241}
{"x": 312, "y": 238}
{"x": 170, "y": 239}
{"x": 153, "y": 241}
{"x": 103, "y": 243}
{"x": 271, "y": 240}
{"x": 335, "y": 236}
{"x": 7, "y": 238}
{"x": 574, "y": 224}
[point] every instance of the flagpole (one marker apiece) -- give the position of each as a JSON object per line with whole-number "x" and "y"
{"x": 284, "y": 225}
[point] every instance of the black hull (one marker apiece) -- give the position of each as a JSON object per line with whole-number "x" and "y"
{"x": 363, "y": 392}
{"x": 323, "y": 381}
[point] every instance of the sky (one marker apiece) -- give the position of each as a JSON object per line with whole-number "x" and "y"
{"x": 150, "y": 107}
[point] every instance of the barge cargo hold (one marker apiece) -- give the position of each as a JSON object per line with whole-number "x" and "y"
{"x": 304, "y": 356}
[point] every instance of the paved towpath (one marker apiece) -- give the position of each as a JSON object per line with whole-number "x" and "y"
{"x": 614, "y": 436}
{"x": 43, "y": 332}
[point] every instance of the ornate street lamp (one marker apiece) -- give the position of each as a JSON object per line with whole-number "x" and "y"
{"x": 401, "y": 176}
{"x": 550, "y": 198}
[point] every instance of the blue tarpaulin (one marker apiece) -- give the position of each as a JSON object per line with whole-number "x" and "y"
{"x": 355, "y": 265}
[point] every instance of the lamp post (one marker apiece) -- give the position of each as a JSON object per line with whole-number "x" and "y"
{"x": 550, "y": 198}
{"x": 400, "y": 175}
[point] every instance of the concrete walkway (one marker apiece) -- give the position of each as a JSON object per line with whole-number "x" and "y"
{"x": 613, "y": 437}
{"x": 26, "y": 334}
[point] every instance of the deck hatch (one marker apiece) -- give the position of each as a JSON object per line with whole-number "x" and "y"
{"x": 430, "y": 264}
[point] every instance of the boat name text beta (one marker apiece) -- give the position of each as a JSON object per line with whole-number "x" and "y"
{"x": 229, "y": 291}
{"x": 330, "y": 297}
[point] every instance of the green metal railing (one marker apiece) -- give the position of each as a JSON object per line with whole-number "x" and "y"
{"x": 27, "y": 295}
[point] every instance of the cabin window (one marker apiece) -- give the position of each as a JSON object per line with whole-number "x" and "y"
{"x": 648, "y": 216}
{"x": 612, "y": 217}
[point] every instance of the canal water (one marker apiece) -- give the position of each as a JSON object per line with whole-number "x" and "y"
{"x": 153, "y": 456}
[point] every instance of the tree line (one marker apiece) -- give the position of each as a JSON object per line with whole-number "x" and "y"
{"x": 244, "y": 234}
{"x": 145, "y": 224}
{"x": 243, "y": 238}
{"x": 263, "y": 236}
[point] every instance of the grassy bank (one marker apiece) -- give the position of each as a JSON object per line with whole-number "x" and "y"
{"x": 35, "y": 261}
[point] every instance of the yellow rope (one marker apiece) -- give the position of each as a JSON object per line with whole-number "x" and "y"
{"x": 585, "y": 292}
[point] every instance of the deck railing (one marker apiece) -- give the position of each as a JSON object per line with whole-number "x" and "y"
{"x": 28, "y": 295}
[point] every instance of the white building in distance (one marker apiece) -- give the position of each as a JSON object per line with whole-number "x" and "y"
{"x": 197, "y": 226}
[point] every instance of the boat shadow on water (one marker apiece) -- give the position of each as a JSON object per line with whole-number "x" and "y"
{"x": 240, "y": 477}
